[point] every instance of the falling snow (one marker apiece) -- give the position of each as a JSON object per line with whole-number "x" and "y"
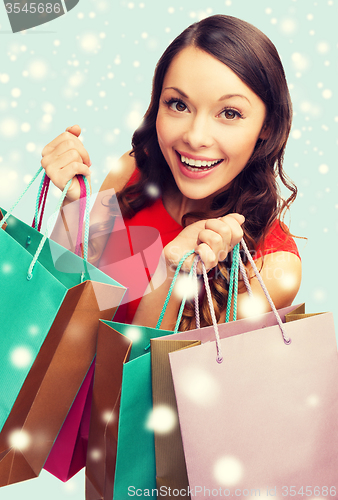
{"x": 49, "y": 81}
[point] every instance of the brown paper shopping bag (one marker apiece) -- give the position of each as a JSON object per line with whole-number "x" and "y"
{"x": 170, "y": 463}
{"x": 113, "y": 350}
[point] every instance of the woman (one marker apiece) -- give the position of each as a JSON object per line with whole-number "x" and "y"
{"x": 212, "y": 144}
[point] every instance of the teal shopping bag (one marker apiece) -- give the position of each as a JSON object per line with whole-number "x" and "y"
{"x": 121, "y": 442}
{"x": 51, "y": 301}
{"x": 121, "y": 451}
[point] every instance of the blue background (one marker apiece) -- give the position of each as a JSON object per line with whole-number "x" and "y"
{"x": 94, "y": 65}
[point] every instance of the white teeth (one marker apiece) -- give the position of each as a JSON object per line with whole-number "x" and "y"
{"x": 198, "y": 163}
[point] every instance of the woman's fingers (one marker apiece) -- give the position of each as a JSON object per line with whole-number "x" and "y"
{"x": 64, "y": 158}
{"x": 218, "y": 237}
{"x": 74, "y": 129}
{"x": 234, "y": 221}
{"x": 212, "y": 239}
{"x": 208, "y": 257}
{"x": 65, "y": 142}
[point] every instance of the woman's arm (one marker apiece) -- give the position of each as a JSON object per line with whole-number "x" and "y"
{"x": 281, "y": 273}
{"x": 63, "y": 159}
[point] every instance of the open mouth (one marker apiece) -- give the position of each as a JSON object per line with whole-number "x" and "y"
{"x": 197, "y": 165}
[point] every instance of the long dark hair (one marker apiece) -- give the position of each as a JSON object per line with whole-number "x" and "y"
{"x": 254, "y": 192}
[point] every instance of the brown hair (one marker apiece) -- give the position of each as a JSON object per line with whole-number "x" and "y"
{"x": 254, "y": 192}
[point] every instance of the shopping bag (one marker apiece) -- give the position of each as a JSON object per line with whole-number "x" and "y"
{"x": 135, "y": 464}
{"x": 135, "y": 457}
{"x": 69, "y": 451}
{"x": 119, "y": 437}
{"x": 171, "y": 473}
{"x": 265, "y": 418}
{"x": 68, "y": 454}
{"x": 48, "y": 342}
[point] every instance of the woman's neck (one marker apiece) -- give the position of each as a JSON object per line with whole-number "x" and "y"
{"x": 177, "y": 205}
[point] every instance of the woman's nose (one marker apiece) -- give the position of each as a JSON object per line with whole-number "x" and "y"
{"x": 198, "y": 133}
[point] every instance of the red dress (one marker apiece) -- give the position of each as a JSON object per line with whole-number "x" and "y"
{"x": 134, "y": 248}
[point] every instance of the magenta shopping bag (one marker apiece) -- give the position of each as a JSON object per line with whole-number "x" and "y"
{"x": 69, "y": 451}
{"x": 265, "y": 418}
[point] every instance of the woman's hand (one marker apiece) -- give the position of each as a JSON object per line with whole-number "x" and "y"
{"x": 212, "y": 239}
{"x": 64, "y": 158}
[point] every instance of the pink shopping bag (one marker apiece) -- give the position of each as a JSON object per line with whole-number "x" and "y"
{"x": 263, "y": 421}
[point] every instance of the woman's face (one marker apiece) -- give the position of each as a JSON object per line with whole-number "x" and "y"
{"x": 207, "y": 124}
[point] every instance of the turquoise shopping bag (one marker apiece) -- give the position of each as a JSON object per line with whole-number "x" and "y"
{"x": 51, "y": 301}
{"x": 120, "y": 436}
{"x": 121, "y": 449}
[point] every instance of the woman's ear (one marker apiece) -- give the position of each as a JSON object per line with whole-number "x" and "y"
{"x": 265, "y": 132}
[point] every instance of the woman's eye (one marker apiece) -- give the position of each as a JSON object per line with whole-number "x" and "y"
{"x": 231, "y": 114}
{"x": 176, "y": 105}
{"x": 179, "y": 106}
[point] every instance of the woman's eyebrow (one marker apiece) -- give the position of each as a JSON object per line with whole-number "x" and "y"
{"x": 229, "y": 96}
{"x": 177, "y": 90}
{"x": 223, "y": 98}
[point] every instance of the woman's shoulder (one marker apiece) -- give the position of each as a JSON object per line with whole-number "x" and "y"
{"x": 277, "y": 239}
{"x": 124, "y": 171}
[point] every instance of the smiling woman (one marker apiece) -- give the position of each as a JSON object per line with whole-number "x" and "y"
{"x": 203, "y": 170}
{"x": 197, "y": 123}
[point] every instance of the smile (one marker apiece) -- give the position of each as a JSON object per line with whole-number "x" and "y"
{"x": 198, "y": 165}
{"x": 196, "y": 168}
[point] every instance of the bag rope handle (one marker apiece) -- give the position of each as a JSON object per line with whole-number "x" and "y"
{"x": 233, "y": 285}
{"x": 233, "y": 288}
{"x": 41, "y": 202}
{"x": 193, "y": 273}
{"x": 52, "y": 220}
{"x": 219, "y": 357}
{"x": 9, "y": 213}
{"x": 38, "y": 201}
{"x": 286, "y": 339}
{"x": 82, "y": 212}
{"x": 178, "y": 268}
{"x": 197, "y": 310}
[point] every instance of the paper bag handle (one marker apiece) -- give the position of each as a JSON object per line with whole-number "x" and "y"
{"x": 41, "y": 203}
{"x": 286, "y": 339}
{"x": 10, "y": 211}
{"x": 219, "y": 358}
{"x": 233, "y": 287}
{"x": 52, "y": 220}
{"x": 63, "y": 195}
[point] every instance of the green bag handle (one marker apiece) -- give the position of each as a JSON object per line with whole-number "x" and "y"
{"x": 52, "y": 220}
{"x": 9, "y": 213}
{"x": 164, "y": 308}
{"x": 233, "y": 285}
{"x": 233, "y": 289}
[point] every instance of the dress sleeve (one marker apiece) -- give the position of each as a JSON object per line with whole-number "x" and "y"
{"x": 276, "y": 241}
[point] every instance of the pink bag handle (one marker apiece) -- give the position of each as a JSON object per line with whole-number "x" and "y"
{"x": 82, "y": 210}
{"x": 219, "y": 357}
{"x": 237, "y": 263}
{"x": 41, "y": 202}
{"x": 286, "y": 339}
